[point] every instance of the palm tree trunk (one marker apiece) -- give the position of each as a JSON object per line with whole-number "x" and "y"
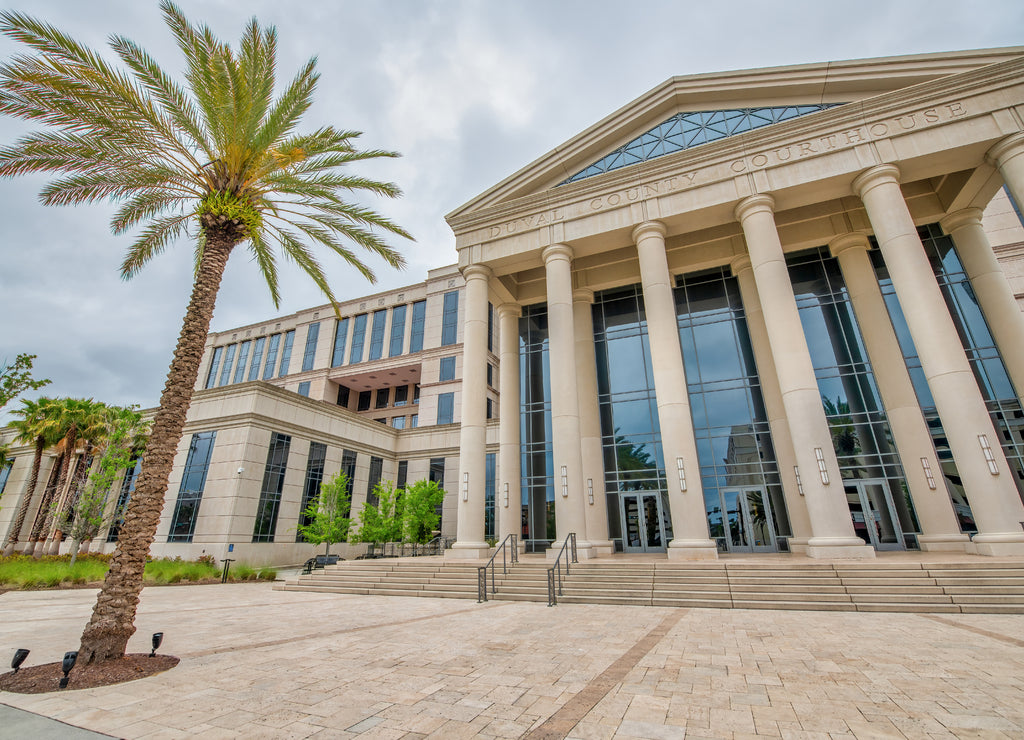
{"x": 113, "y": 618}
{"x": 26, "y": 501}
{"x": 36, "y": 538}
{"x": 67, "y": 508}
{"x": 70, "y": 441}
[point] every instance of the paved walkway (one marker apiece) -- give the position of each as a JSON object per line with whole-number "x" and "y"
{"x": 259, "y": 663}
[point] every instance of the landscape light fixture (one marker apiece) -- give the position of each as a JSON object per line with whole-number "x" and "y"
{"x": 158, "y": 637}
{"x": 66, "y": 665}
{"x": 19, "y": 657}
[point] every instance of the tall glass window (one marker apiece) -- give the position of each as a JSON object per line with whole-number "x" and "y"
{"x": 489, "y": 484}
{"x": 380, "y": 318}
{"x": 131, "y": 475}
{"x": 397, "y": 331}
{"x": 445, "y": 408}
{"x": 340, "y": 337}
{"x": 447, "y": 369}
{"x": 355, "y": 354}
{"x": 450, "y": 318}
{"x": 312, "y": 335}
{"x": 419, "y": 317}
{"x": 348, "y": 467}
{"x": 304, "y": 388}
{"x": 314, "y": 477}
{"x": 383, "y": 398}
{"x": 190, "y": 492}
{"x": 243, "y": 358}
{"x": 403, "y": 474}
{"x": 229, "y": 359}
{"x": 363, "y": 403}
{"x": 401, "y": 395}
{"x": 490, "y": 327}
{"x": 271, "y": 362}
{"x": 436, "y": 475}
{"x": 211, "y": 376}
{"x": 5, "y": 473}
{"x": 537, "y": 489}
{"x": 270, "y": 491}
{"x": 376, "y": 471}
{"x": 257, "y": 358}
{"x": 286, "y": 353}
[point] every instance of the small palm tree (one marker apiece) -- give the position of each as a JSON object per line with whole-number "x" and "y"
{"x": 34, "y": 426}
{"x": 217, "y": 155}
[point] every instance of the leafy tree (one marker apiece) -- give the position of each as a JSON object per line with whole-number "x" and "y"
{"x": 16, "y": 378}
{"x": 419, "y": 512}
{"x": 327, "y": 514}
{"x": 217, "y": 154}
{"x": 34, "y": 426}
{"x": 382, "y": 522}
{"x": 125, "y": 432}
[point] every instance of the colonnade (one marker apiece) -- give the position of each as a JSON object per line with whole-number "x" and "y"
{"x": 813, "y": 488}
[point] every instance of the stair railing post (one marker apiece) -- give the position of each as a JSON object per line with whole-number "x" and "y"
{"x": 551, "y": 587}
{"x": 481, "y": 584}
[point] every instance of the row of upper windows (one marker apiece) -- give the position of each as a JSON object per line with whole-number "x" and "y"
{"x": 256, "y": 359}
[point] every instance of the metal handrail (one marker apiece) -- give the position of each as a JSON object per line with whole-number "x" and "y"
{"x": 555, "y": 571}
{"x": 512, "y": 540}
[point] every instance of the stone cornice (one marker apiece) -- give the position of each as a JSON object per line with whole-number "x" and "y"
{"x": 543, "y": 207}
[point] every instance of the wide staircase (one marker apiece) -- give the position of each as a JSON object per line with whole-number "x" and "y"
{"x": 933, "y": 587}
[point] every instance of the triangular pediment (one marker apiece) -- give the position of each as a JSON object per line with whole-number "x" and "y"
{"x": 686, "y": 112}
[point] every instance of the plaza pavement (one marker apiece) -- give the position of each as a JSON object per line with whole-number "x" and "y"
{"x": 258, "y": 663}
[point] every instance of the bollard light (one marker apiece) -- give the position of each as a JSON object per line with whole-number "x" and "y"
{"x": 158, "y": 637}
{"x": 66, "y": 665}
{"x": 19, "y": 657}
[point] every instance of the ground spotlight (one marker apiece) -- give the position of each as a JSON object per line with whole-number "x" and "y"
{"x": 19, "y": 657}
{"x": 67, "y": 664}
{"x": 158, "y": 637}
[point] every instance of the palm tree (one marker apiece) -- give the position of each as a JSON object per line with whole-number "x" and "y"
{"x": 218, "y": 154}
{"x": 32, "y": 427}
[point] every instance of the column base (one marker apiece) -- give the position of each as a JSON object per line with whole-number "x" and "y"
{"x": 798, "y": 545}
{"x": 944, "y": 542}
{"x": 997, "y": 544}
{"x": 692, "y": 550}
{"x": 584, "y": 550}
{"x": 602, "y": 548}
{"x": 839, "y": 548}
{"x": 468, "y": 551}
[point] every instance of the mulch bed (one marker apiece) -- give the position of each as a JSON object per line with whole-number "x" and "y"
{"x": 40, "y": 679}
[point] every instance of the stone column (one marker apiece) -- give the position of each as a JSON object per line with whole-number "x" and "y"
{"x": 472, "y": 434}
{"x": 591, "y": 451}
{"x": 831, "y": 525}
{"x": 972, "y": 437}
{"x": 939, "y": 526}
{"x": 570, "y": 514}
{"x": 508, "y": 496}
{"x": 782, "y": 440}
{"x": 690, "y": 538}
{"x": 1008, "y": 157}
{"x": 1004, "y": 317}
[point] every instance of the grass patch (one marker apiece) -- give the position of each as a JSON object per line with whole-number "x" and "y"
{"x": 25, "y": 572}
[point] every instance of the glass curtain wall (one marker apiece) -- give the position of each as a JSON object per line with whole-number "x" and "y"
{"x": 742, "y": 489}
{"x": 538, "y": 487}
{"x": 993, "y": 381}
{"x": 860, "y": 429}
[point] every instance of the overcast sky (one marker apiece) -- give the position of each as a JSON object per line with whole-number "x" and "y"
{"x": 468, "y": 92}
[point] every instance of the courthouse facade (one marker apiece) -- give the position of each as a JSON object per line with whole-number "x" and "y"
{"x": 760, "y": 311}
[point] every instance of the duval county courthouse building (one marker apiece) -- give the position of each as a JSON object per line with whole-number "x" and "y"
{"x": 759, "y": 311}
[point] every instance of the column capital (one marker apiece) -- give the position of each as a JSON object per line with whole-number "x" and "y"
{"x": 965, "y": 217}
{"x": 1006, "y": 149}
{"x": 648, "y": 227}
{"x": 476, "y": 272}
{"x": 513, "y": 310}
{"x": 557, "y": 251}
{"x": 877, "y": 175}
{"x": 754, "y": 204}
{"x": 740, "y": 263}
{"x": 583, "y": 295}
{"x": 845, "y": 242}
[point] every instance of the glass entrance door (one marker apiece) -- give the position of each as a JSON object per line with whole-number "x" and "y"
{"x": 874, "y": 516}
{"x": 748, "y": 520}
{"x": 643, "y": 522}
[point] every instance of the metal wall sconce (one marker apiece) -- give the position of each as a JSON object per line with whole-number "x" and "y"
{"x": 465, "y": 486}
{"x": 822, "y": 470}
{"x": 682, "y": 474}
{"x": 928, "y": 472}
{"x": 565, "y": 483}
{"x": 590, "y": 491}
{"x": 799, "y": 483}
{"x": 70, "y": 658}
{"x": 505, "y": 501}
{"x": 986, "y": 449}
